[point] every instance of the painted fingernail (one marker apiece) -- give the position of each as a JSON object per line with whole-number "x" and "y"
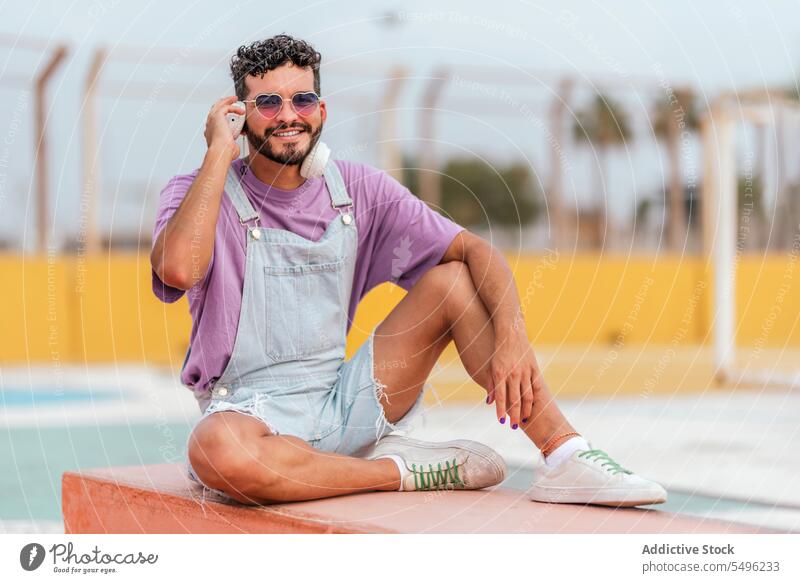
{"x": 514, "y": 426}
{"x": 525, "y": 420}
{"x": 502, "y": 419}
{"x": 487, "y": 398}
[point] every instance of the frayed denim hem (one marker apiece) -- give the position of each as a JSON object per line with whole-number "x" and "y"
{"x": 382, "y": 425}
{"x": 248, "y": 407}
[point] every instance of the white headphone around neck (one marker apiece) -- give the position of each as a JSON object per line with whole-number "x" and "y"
{"x": 314, "y": 164}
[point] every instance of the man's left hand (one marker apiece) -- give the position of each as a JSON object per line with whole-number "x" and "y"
{"x": 515, "y": 376}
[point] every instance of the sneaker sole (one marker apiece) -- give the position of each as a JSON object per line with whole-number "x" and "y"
{"x": 473, "y": 447}
{"x": 622, "y": 498}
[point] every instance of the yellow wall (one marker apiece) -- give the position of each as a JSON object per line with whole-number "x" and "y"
{"x": 101, "y": 308}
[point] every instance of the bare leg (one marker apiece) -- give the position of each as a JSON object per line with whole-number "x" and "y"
{"x": 443, "y": 306}
{"x": 237, "y": 454}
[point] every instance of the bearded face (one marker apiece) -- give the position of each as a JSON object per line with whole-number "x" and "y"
{"x": 286, "y": 144}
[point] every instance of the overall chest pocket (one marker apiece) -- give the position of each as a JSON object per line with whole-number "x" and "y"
{"x": 304, "y": 308}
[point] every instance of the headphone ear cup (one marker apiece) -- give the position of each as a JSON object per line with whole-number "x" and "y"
{"x": 316, "y": 160}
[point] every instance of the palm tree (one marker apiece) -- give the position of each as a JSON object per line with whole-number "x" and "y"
{"x": 673, "y": 117}
{"x": 604, "y": 125}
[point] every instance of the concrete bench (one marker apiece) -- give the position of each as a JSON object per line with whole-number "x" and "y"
{"x": 162, "y": 499}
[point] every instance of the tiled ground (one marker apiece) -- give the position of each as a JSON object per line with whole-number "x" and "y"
{"x": 729, "y": 454}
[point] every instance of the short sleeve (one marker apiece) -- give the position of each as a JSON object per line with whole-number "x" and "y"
{"x": 410, "y": 236}
{"x": 169, "y": 201}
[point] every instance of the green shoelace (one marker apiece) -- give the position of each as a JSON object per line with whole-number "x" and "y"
{"x": 600, "y": 455}
{"x": 438, "y": 478}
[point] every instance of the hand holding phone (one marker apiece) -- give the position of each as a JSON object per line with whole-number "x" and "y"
{"x": 219, "y": 132}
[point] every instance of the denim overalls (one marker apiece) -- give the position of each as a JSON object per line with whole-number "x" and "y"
{"x": 287, "y": 368}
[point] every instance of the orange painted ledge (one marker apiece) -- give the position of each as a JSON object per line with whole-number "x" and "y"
{"x": 161, "y": 499}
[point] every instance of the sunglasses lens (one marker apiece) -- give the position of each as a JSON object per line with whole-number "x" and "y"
{"x": 305, "y": 103}
{"x": 269, "y": 105}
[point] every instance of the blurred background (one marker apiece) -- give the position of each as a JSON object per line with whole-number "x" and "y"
{"x": 637, "y": 163}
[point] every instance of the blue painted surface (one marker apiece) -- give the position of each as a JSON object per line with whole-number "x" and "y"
{"x": 32, "y": 398}
{"x": 32, "y": 460}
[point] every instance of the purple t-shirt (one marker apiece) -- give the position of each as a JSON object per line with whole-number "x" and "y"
{"x": 399, "y": 239}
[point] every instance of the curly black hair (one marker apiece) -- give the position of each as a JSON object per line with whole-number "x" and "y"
{"x": 262, "y": 56}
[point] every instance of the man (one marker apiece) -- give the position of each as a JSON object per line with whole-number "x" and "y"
{"x": 276, "y": 264}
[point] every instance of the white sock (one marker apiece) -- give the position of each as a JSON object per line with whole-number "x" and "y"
{"x": 565, "y": 450}
{"x": 401, "y": 465}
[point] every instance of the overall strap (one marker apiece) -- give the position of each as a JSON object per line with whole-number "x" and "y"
{"x": 233, "y": 187}
{"x": 336, "y": 187}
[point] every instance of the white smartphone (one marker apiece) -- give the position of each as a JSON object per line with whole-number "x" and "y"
{"x": 236, "y": 121}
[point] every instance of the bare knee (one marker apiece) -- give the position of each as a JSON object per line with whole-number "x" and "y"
{"x": 452, "y": 283}
{"x": 226, "y": 456}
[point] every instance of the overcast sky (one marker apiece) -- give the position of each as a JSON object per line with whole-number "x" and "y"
{"x": 712, "y": 46}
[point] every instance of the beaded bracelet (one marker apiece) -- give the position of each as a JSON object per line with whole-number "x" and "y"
{"x": 547, "y": 448}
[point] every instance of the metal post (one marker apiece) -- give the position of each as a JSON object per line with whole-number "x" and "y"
{"x": 41, "y": 161}
{"x": 91, "y": 174}
{"x": 719, "y": 232}
{"x": 390, "y": 155}
{"x": 429, "y": 183}
{"x": 555, "y": 188}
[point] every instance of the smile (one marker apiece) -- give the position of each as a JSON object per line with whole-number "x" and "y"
{"x": 287, "y": 134}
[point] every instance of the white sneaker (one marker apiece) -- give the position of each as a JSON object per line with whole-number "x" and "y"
{"x": 592, "y": 477}
{"x": 450, "y": 465}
